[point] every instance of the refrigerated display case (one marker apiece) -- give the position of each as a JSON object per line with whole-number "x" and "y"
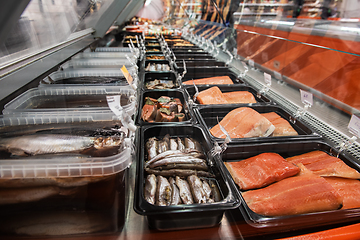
{"x": 302, "y": 69}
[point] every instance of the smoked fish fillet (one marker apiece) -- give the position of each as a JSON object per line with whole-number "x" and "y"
{"x": 210, "y": 80}
{"x": 211, "y": 95}
{"x": 282, "y": 127}
{"x": 261, "y": 170}
{"x": 322, "y": 164}
{"x": 243, "y": 122}
{"x": 349, "y": 190}
{"x": 239, "y": 97}
{"x": 303, "y": 193}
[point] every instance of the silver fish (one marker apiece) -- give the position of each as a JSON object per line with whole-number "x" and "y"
{"x": 150, "y": 188}
{"x": 215, "y": 191}
{"x": 197, "y": 166}
{"x": 184, "y": 190}
{"x": 208, "y": 192}
{"x": 181, "y": 145}
{"x": 179, "y": 172}
{"x": 163, "y": 146}
{"x": 173, "y": 144}
{"x": 174, "y": 153}
{"x": 163, "y": 192}
{"x": 197, "y": 190}
{"x": 177, "y": 159}
{"x": 151, "y": 147}
{"x": 53, "y": 143}
{"x": 175, "y": 194}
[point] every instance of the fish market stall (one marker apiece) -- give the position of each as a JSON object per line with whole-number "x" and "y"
{"x": 119, "y": 127}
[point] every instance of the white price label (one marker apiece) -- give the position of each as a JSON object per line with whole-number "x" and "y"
{"x": 306, "y": 97}
{"x": 277, "y": 75}
{"x": 267, "y": 78}
{"x": 114, "y": 104}
{"x": 354, "y": 125}
{"x": 251, "y": 63}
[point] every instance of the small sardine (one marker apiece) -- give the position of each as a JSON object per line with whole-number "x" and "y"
{"x": 215, "y": 191}
{"x": 189, "y": 143}
{"x": 150, "y": 188}
{"x": 180, "y": 142}
{"x": 177, "y": 160}
{"x": 196, "y": 188}
{"x": 179, "y": 172}
{"x": 151, "y": 147}
{"x": 208, "y": 192}
{"x": 175, "y": 194}
{"x": 175, "y": 153}
{"x": 163, "y": 192}
{"x": 184, "y": 189}
{"x": 173, "y": 144}
{"x": 197, "y": 166}
{"x": 163, "y": 146}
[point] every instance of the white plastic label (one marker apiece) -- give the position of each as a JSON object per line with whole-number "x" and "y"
{"x": 306, "y": 97}
{"x": 251, "y": 63}
{"x": 267, "y": 78}
{"x": 114, "y": 104}
{"x": 354, "y": 125}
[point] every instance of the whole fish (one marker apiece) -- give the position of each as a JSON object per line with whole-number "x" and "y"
{"x": 174, "y": 153}
{"x": 150, "y": 188}
{"x": 53, "y": 143}
{"x": 184, "y": 189}
{"x": 173, "y": 144}
{"x": 215, "y": 191}
{"x": 175, "y": 194}
{"x": 208, "y": 192}
{"x": 180, "y": 142}
{"x": 196, "y": 166}
{"x": 177, "y": 160}
{"x": 197, "y": 190}
{"x": 151, "y": 147}
{"x": 179, "y": 172}
{"x": 163, "y": 192}
{"x": 163, "y": 146}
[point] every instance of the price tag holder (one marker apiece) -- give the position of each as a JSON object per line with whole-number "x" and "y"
{"x": 127, "y": 75}
{"x": 306, "y": 97}
{"x": 115, "y": 106}
{"x": 251, "y": 63}
{"x": 354, "y": 125}
{"x": 267, "y": 79}
{"x": 277, "y": 75}
{"x": 246, "y": 69}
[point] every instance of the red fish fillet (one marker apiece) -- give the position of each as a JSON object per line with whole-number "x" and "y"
{"x": 239, "y": 97}
{"x": 349, "y": 190}
{"x": 211, "y": 96}
{"x": 303, "y": 193}
{"x": 323, "y": 164}
{"x": 211, "y": 80}
{"x": 261, "y": 170}
{"x": 243, "y": 122}
{"x": 282, "y": 127}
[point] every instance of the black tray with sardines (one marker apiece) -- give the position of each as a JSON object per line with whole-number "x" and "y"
{"x": 179, "y": 186}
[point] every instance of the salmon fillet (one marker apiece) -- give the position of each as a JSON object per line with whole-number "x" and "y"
{"x": 303, "y": 193}
{"x": 349, "y": 190}
{"x": 243, "y": 122}
{"x": 239, "y": 97}
{"x": 261, "y": 170}
{"x": 211, "y": 96}
{"x": 322, "y": 164}
{"x": 282, "y": 127}
{"x": 211, "y": 80}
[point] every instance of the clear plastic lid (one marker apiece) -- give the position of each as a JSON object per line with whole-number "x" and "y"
{"x": 60, "y": 165}
{"x": 102, "y": 55}
{"x": 97, "y": 63}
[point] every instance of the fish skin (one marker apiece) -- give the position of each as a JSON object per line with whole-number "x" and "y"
{"x": 163, "y": 192}
{"x": 45, "y": 143}
{"x": 173, "y": 144}
{"x": 208, "y": 192}
{"x": 150, "y": 188}
{"x": 175, "y": 194}
{"x": 197, "y": 166}
{"x": 175, "y": 153}
{"x": 184, "y": 189}
{"x": 179, "y": 172}
{"x": 152, "y": 145}
{"x": 197, "y": 189}
{"x": 215, "y": 191}
{"x": 175, "y": 160}
{"x": 189, "y": 143}
{"x": 180, "y": 142}
{"x": 163, "y": 146}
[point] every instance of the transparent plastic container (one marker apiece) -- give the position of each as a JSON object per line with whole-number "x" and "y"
{"x": 78, "y": 102}
{"x": 120, "y": 55}
{"x": 96, "y": 63}
{"x": 63, "y": 193}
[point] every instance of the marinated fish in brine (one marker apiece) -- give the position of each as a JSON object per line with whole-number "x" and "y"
{"x": 185, "y": 192}
{"x": 163, "y": 192}
{"x": 175, "y": 193}
{"x": 150, "y": 188}
{"x": 197, "y": 189}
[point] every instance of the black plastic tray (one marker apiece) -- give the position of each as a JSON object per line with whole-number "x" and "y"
{"x": 194, "y": 56}
{"x": 156, "y": 62}
{"x": 160, "y": 54}
{"x": 190, "y": 91}
{"x": 150, "y": 76}
{"x": 199, "y": 64}
{"x": 188, "y": 51}
{"x": 182, "y": 216}
{"x": 293, "y": 222}
{"x": 207, "y": 115}
{"x": 206, "y": 72}
{"x": 174, "y": 93}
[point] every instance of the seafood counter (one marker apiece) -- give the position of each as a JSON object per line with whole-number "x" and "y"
{"x": 186, "y": 150}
